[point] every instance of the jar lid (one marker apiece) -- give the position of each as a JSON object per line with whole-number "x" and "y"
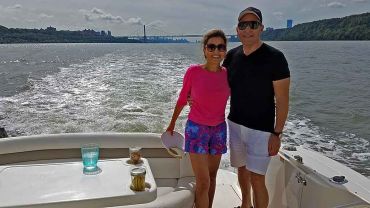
{"x": 138, "y": 171}
{"x": 135, "y": 149}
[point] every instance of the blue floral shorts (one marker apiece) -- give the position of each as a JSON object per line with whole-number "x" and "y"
{"x": 202, "y": 139}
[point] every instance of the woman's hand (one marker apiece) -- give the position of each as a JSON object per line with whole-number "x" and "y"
{"x": 170, "y": 129}
{"x": 190, "y": 101}
{"x": 175, "y": 115}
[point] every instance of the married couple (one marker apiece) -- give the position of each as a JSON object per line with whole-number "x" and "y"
{"x": 256, "y": 77}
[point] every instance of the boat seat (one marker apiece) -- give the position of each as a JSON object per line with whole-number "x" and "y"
{"x": 174, "y": 177}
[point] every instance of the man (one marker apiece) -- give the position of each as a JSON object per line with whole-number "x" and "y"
{"x": 259, "y": 79}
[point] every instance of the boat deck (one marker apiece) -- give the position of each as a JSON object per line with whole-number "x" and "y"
{"x": 227, "y": 192}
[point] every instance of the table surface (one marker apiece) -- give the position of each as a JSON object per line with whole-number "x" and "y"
{"x": 65, "y": 185}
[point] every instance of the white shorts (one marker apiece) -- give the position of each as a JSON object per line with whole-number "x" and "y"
{"x": 248, "y": 147}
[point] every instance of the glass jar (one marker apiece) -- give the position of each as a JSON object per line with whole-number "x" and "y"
{"x": 135, "y": 155}
{"x": 138, "y": 179}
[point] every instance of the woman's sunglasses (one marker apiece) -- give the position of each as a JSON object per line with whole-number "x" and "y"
{"x": 251, "y": 24}
{"x": 212, "y": 47}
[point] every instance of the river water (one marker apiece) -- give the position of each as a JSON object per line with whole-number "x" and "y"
{"x": 58, "y": 88}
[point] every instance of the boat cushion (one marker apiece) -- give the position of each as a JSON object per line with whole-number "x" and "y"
{"x": 160, "y": 167}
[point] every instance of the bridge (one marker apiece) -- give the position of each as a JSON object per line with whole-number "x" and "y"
{"x": 170, "y": 38}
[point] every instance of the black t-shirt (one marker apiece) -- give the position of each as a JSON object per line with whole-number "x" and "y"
{"x": 250, "y": 79}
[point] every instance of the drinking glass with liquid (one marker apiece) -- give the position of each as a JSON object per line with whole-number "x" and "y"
{"x": 90, "y": 157}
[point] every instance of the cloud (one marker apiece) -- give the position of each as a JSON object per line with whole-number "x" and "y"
{"x": 305, "y": 10}
{"x": 336, "y": 4}
{"x": 99, "y": 14}
{"x": 134, "y": 21}
{"x": 96, "y": 14}
{"x": 10, "y": 9}
{"x": 87, "y": 17}
{"x": 44, "y": 16}
{"x": 360, "y": 1}
{"x": 97, "y": 11}
{"x": 279, "y": 15}
{"x": 111, "y": 18}
{"x": 16, "y": 6}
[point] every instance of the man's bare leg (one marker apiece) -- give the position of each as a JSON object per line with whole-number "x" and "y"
{"x": 259, "y": 190}
{"x": 245, "y": 186}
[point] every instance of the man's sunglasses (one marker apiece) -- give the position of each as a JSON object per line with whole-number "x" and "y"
{"x": 251, "y": 24}
{"x": 212, "y": 47}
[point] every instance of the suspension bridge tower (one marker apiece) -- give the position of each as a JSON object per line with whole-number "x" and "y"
{"x": 144, "y": 35}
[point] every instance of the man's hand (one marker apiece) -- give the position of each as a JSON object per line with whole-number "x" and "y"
{"x": 274, "y": 145}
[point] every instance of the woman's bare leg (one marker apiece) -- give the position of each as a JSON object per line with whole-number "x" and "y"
{"x": 213, "y": 164}
{"x": 199, "y": 162}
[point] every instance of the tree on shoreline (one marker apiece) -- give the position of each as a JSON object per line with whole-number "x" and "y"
{"x": 354, "y": 27}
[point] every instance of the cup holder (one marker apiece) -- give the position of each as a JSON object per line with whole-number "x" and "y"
{"x": 147, "y": 187}
{"x": 130, "y": 162}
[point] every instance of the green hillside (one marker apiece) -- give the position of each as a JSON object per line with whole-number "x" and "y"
{"x": 354, "y": 27}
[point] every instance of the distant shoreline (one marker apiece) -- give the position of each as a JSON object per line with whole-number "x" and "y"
{"x": 52, "y": 35}
{"x": 350, "y": 28}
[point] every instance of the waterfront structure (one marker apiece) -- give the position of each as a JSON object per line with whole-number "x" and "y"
{"x": 289, "y": 23}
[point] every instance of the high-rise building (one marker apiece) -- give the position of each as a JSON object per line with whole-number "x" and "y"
{"x": 289, "y": 23}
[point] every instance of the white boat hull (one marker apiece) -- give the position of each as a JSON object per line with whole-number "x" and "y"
{"x": 290, "y": 183}
{"x": 307, "y": 184}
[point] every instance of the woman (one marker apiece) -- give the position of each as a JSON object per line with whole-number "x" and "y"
{"x": 205, "y": 131}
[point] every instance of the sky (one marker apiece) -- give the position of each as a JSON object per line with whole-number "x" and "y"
{"x": 166, "y": 17}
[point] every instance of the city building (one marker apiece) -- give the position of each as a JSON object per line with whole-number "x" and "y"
{"x": 289, "y": 23}
{"x": 51, "y": 29}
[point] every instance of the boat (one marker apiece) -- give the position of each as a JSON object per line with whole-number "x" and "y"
{"x": 46, "y": 171}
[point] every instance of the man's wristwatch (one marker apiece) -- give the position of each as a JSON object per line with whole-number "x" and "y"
{"x": 278, "y": 134}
